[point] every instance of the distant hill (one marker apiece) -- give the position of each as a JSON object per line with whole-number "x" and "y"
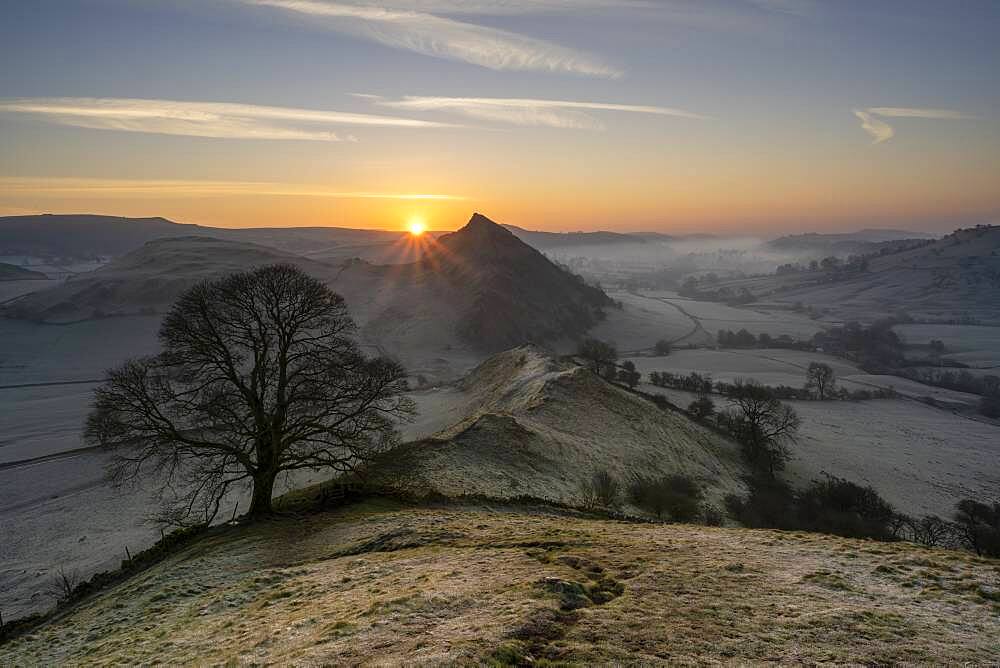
{"x": 88, "y": 237}
{"x": 82, "y": 236}
{"x": 514, "y": 293}
{"x": 955, "y": 276}
{"x": 12, "y": 272}
{"x": 550, "y": 240}
{"x": 147, "y": 280}
{"x": 862, "y": 241}
{"x": 479, "y": 289}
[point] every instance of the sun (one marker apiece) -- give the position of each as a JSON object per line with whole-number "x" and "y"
{"x": 417, "y": 226}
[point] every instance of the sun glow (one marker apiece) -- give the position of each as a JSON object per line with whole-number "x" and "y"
{"x": 416, "y": 226}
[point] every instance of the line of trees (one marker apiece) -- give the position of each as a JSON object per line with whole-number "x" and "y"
{"x": 820, "y": 385}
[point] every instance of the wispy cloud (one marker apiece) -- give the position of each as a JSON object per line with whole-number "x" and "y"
{"x": 879, "y": 130}
{"x": 793, "y": 7}
{"x": 521, "y": 111}
{"x": 502, "y": 7}
{"x": 101, "y": 188}
{"x": 882, "y": 131}
{"x": 201, "y": 119}
{"x": 410, "y": 25}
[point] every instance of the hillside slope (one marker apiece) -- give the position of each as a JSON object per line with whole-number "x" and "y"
{"x": 957, "y": 274}
{"x": 12, "y": 272}
{"x": 379, "y": 584}
{"x": 527, "y": 425}
{"x": 511, "y": 293}
{"x": 85, "y": 236}
{"x": 148, "y": 279}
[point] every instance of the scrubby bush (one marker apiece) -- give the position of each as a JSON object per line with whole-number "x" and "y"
{"x": 831, "y": 506}
{"x": 979, "y": 526}
{"x": 677, "y": 496}
{"x": 702, "y": 408}
{"x": 662, "y": 347}
{"x": 601, "y": 490}
{"x": 628, "y": 375}
{"x": 844, "y": 508}
{"x": 770, "y": 503}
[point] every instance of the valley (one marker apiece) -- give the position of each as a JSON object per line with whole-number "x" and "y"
{"x": 494, "y": 419}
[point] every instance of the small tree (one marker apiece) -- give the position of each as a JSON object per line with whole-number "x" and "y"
{"x": 258, "y": 375}
{"x": 702, "y": 408}
{"x": 763, "y": 425}
{"x": 662, "y": 347}
{"x": 627, "y": 374}
{"x": 820, "y": 379}
{"x": 598, "y": 354}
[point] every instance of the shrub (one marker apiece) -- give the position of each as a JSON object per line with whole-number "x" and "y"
{"x": 769, "y": 504}
{"x": 702, "y": 408}
{"x": 843, "y": 508}
{"x": 628, "y": 375}
{"x": 662, "y": 347}
{"x": 978, "y": 526}
{"x": 602, "y": 490}
{"x": 677, "y": 496}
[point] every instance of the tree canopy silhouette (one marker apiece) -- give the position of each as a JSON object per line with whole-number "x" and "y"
{"x": 258, "y": 375}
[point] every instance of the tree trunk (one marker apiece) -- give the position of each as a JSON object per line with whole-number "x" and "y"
{"x": 263, "y": 490}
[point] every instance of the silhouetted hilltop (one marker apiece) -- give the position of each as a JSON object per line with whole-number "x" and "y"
{"x": 513, "y": 294}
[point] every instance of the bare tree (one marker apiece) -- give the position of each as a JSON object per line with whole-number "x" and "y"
{"x": 599, "y": 355}
{"x": 820, "y": 379}
{"x": 63, "y": 583}
{"x": 258, "y": 375}
{"x": 763, "y": 425}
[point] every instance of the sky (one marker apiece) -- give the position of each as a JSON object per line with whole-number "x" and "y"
{"x": 679, "y": 116}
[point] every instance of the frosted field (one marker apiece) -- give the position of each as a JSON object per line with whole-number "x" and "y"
{"x": 714, "y": 316}
{"x": 642, "y": 322}
{"x": 788, "y": 367}
{"x": 33, "y": 353}
{"x": 58, "y": 511}
{"x": 975, "y": 345}
{"x": 921, "y": 459}
{"x": 9, "y": 290}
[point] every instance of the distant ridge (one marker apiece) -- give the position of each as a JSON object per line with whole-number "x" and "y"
{"x": 550, "y": 240}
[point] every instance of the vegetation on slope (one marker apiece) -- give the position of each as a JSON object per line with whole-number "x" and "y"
{"x": 379, "y": 583}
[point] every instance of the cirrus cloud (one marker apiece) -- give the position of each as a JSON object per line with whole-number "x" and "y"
{"x": 527, "y": 112}
{"x": 201, "y": 119}
{"x": 880, "y": 131}
{"x": 402, "y": 25}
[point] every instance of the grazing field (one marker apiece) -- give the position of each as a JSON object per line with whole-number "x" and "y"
{"x": 788, "y": 367}
{"x": 10, "y": 290}
{"x": 59, "y": 512}
{"x": 642, "y": 322}
{"x": 380, "y": 584}
{"x": 920, "y": 458}
{"x": 975, "y": 345}
{"x": 714, "y": 316}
